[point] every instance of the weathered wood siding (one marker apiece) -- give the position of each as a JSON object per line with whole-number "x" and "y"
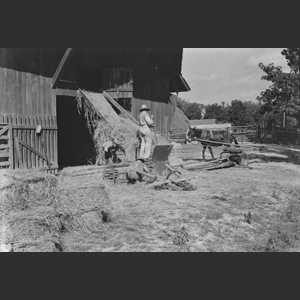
{"x": 26, "y": 94}
{"x": 27, "y": 100}
{"x": 151, "y": 87}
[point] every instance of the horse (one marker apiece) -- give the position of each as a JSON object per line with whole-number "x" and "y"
{"x": 220, "y": 136}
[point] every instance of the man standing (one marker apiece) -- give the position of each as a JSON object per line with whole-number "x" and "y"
{"x": 146, "y": 122}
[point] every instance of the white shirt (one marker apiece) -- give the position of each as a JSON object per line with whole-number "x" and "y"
{"x": 145, "y": 120}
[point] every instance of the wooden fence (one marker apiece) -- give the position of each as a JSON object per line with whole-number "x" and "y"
{"x": 278, "y": 135}
{"x": 244, "y": 133}
{"x": 27, "y": 148}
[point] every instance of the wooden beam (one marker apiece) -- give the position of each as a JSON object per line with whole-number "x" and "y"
{"x": 33, "y": 127}
{"x": 66, "y": 92}
{"x": 119, "y": 107}
{"x": 4, "y": 129}
{"x": 62, "y": 66}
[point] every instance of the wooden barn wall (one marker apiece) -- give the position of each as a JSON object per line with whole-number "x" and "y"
{"x": 152, "y": 88}
{"x": 26, "y": 95}
{"x": 27, "y": 100}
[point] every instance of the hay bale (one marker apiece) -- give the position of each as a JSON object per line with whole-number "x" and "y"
{"x": 28, "y": 212}
{"x": 44, "y": 213}
{"x": 80, "y": 203}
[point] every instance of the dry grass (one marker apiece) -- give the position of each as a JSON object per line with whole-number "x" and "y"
{"x": 208, "y": 219}
{"x": 285, "y": 234}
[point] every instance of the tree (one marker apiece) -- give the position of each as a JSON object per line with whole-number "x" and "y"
{"x": 283, "y": 94}
{"x": 193, "y": 111}
{"x": 237, "y": 113}
{"x": 218, "y": 112}
{"x": 253, "y": 112}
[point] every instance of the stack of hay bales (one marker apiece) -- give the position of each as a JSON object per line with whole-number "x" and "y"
{"x": 179, "y": 126}
{"x": 44, "y": 213}
{"x": 28, "y": 212}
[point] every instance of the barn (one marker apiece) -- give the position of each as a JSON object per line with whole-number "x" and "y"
{"x": 38, "y": 87}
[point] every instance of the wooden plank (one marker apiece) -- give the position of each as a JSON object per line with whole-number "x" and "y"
{"x": 4, "y": 129}
{"x": 23, "y": 137}
{"x": 4, "y": 164}
{"x": 32, "y": 134}
{"x": 18, "y": 152}
{"x": 7, "y": 94}
{"x": 2, "y": 91}
{"x": 4, "y": 137}
{"x": 62, "y": 66}
{"x": 47, "y": 140}
{"x": 40, "y": 138}
{"x": 65, "y": 92}
{"x": 4, "y": 154}
{"x": 36, "y": 152}
{"x": 11, "y": 147}
{"x": 4, "y": 146}
{"x": 119, "y": 107}
{"x": 51, "y": 155}
{"x": 28, "y": 140}
{"x": 33, "y": 127}
{"x": 55, "y": 141}
{"x": 34, "y": 122}
{"x": 101, "y": 106}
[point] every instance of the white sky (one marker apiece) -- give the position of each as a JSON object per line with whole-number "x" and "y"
{"x": 225, "y": 74}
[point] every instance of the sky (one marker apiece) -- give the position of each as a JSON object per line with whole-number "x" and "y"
{"x": 225, "y": 74}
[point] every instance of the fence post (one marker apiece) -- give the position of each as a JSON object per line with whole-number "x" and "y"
{"x": 273, "y": 133}
{"x": 11, "y": 146}
{"x": 18, "y": 151}
{"x": 258, "y": 134}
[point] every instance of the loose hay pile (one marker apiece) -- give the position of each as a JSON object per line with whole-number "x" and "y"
{"x": 44, "y": 213}
{"x": 121, "y": 130}
{"x": 125, "y": 133}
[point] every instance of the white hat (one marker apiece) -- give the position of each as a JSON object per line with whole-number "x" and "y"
{"x": 144, "y": 107}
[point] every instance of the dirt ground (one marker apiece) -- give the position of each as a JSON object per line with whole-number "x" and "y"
{"x": 211, "y": 218}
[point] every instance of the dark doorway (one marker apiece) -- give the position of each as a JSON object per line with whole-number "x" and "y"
{"x": 75, "y": 143}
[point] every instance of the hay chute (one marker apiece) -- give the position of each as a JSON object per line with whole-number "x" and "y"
{"x": 105, "y": 125}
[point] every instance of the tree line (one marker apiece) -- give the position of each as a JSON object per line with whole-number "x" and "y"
{"x": 278, "y": 104}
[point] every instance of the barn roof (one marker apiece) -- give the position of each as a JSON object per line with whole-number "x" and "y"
{"x": 47, "y": 61}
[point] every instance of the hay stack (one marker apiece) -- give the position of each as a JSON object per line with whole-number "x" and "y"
{"x": 179, "y": 126}
{"x": 28, "y": 212}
